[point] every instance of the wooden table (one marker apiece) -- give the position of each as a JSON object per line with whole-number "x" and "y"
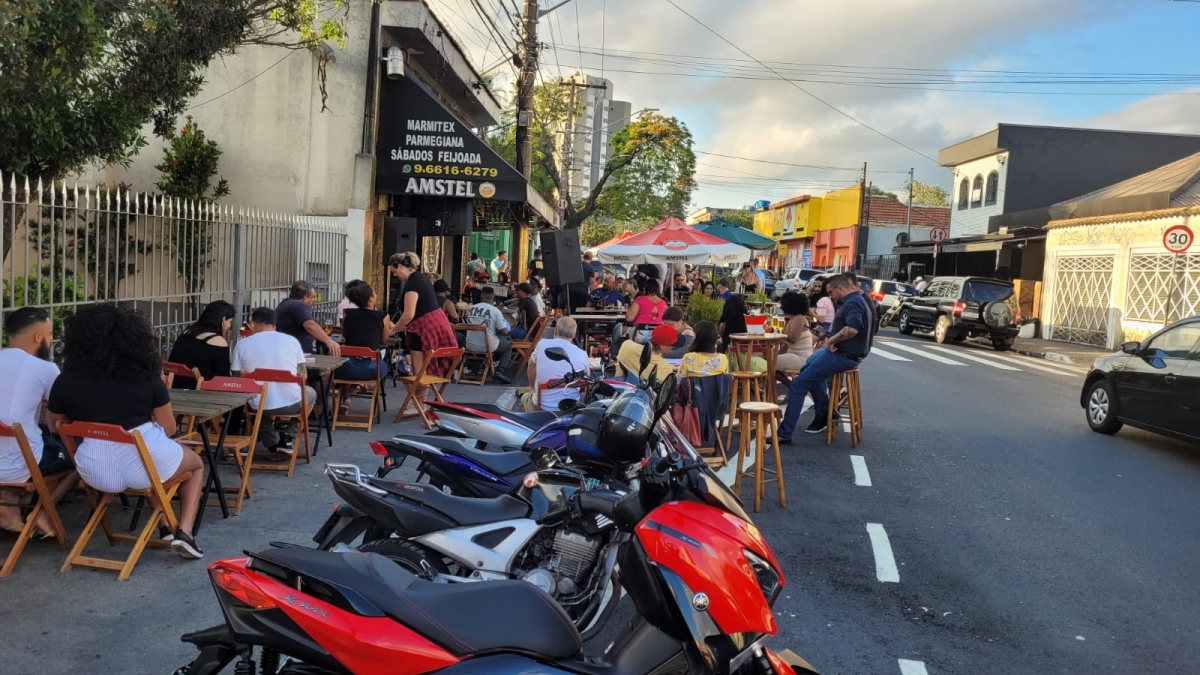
{"x": 207, "y": 406}
{"x": 584, "y": 319}
{"x": 771, "y": 344}
{"x": 323, "y": 364}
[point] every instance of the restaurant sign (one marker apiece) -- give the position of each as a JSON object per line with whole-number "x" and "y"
{"x": 425, "y": 150}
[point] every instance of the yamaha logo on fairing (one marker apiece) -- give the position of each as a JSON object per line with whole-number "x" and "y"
{"x": 700, "y": 602}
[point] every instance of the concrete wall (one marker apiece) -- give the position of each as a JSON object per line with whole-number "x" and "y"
{"x": 974, "y": 219}
{"x": 840, "y": 208}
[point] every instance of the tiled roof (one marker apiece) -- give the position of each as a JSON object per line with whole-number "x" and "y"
{"x": 1178, "y": 178}
{"x": 888, "y": 211}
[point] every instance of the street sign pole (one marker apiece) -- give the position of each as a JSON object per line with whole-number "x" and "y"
{"x": 1177, "y": 240}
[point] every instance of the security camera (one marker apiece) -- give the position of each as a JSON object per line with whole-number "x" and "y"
{"x": 395, "y": 63}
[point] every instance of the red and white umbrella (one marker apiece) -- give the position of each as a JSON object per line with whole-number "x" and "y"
{"x": 673, "y": 242}
{"x": 620, "y": 237}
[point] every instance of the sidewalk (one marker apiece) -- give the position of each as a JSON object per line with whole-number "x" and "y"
{"x": 1063, "y": 352}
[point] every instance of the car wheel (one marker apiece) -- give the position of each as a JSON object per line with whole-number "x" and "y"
{"x": 1001, "y": 345}
{"x": 1102, "y": 408}
{"x": 905, "y": 326}
{"x": 941, "y": 331}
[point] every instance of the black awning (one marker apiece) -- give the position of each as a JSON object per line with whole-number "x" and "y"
{"x": 424, "y": 149}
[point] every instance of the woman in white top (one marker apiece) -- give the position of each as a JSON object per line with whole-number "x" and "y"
{"x": 799, "y": 334}
{"x": 823, "y": 307}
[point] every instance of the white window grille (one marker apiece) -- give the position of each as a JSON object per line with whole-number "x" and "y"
{"x": 1082, "y": 298}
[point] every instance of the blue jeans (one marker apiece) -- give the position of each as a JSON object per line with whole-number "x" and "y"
{"x": 813, "y": 380}
{"x": 360, "y": 369}
{"x": 517, "y": 333}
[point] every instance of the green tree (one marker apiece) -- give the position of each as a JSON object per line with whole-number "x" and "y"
{"x": 650, "y": 175}
{"x": 739, "y": 217}
{"x": 880, "y": 192}
{"x": 188, "y": 168}
{"x": 599, "y": 230}
{"x": 926, "y": 194}
{"x": 82, "y": 77}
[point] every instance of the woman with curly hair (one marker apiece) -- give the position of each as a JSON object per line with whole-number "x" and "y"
{"x": 112, "y": 374}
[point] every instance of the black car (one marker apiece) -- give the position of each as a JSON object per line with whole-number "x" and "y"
{"x": 1152, "y": 385}
{"x": 956, "y": 308}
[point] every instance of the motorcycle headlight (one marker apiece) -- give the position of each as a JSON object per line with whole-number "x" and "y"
{"x": 768, "y": 578}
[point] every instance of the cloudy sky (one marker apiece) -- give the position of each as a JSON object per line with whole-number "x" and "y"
{"x": 921, "y": 73}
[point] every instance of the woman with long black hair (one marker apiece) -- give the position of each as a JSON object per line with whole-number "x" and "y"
{"x": 204, "y": 344}
{"x": 112, "y": 374}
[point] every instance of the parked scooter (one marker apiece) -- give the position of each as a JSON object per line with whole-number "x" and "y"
{"x": 303, "y": 611}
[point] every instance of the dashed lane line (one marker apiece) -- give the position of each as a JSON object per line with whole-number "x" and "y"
{"x": 876, "y": 351}
{"x": 912, "y": 667}
{"x": 862, "y": 477}
{"x": 924, "y": 354}
{"x": 728, "y": 473}
{"x": 1029, "y": 363}
{"x": 961, "y": 353}
{"x": 885, "y": 562}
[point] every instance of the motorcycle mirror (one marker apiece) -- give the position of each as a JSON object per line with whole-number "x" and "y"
{"x": 666, "y": 395}
{"x": 544, "y": 457}
{"x": 568, "y": 405}
{"x": 557, "y": 354}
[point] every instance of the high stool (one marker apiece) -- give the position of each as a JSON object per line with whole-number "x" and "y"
{"x": 849, "y": 381}
{"x": 763, "y": 417}
{"x": 745, "y": 382}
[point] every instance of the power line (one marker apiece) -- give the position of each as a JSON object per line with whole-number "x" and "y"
{"x": 802, "y": 166}
{"x": 260, "y": 74}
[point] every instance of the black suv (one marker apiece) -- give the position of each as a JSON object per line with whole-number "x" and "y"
{"x": 955, "y": 308}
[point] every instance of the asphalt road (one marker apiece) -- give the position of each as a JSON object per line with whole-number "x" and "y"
{"x": 1022, "y": 542}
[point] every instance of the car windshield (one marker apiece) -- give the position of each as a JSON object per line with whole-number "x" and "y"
{"x": 984, "y": 292}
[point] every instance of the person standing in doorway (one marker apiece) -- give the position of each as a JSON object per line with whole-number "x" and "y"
{"x": 500, "y": 267}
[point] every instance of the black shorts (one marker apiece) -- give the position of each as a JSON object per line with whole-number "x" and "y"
{"x": 55, "y": 459}
{"x": 413, "y": 342}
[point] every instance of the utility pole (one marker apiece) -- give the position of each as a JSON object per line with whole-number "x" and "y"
{"x": 910, "y": 196}
{"x": 529, "y": 55}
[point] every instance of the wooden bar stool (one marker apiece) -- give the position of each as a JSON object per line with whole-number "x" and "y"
{"x": 847, "y": 380}
{"x": 763, "y": 417}
{"x": 744, "y": 389}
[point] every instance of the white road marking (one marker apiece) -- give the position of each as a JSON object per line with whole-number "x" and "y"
{"x": 876, "y": 351}
{"x": 924, "y": 354}
{"x": 1036, "y": 365}
{"x": 862, "y": 477}
{"x": 961, "y": 353}
{"x": 885, "y": 562}
{"x": 912, "y": 667}
{"x": 728, "y": 473}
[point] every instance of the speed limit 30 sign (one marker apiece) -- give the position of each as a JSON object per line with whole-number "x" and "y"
{"x": 1178, "y": 239}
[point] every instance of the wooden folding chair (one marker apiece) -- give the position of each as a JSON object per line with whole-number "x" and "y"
{"x": 422, "y": 379}
{"x": 484, "y": 359}
{"x": 523, "y": 348}
{"x": 178, "y": 370}
{"x": 159, "y": 494}
{"x": 41, "y": 487}
{"x": 285, "y": 377}
{"x": 374, "y": 386}
{"x": 235, "y": 445}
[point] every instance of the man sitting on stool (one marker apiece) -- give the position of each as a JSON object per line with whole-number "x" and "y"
{"x": 848, "y": 344}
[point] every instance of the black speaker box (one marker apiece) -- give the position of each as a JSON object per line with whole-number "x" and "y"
{"x": 560, "y": 255}
{"x": 443, "y": 217}
{"x": 399, "y": 235}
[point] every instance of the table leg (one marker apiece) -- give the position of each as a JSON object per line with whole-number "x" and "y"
{"x": 324, "y": 420}
{"x": 213, "y": 481}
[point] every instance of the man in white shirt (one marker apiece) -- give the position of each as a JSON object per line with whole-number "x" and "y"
{"x": 543, "y": 370}
{"x": 269, "y": 349}
{"x": 536, "y": 283}
{"x": 26, "y": 375}
{"x": 486, "y": 314}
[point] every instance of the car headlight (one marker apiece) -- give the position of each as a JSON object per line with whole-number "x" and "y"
{"x": 768, "y": 578}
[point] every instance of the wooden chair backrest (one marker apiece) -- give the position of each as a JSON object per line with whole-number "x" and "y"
{"x": 15, "y": 431}
{"x": 536, "y": 330}
{"x": 360, "y": 353}
{"x": 453, "y": 353}
{"x": 282, "y": 377}
{"x": 113, "y": 432}
{"x": 237, "y": 385}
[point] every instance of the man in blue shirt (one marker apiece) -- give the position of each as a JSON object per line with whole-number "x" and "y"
{"x": 608, "y": 295}
{"x": 848, "y": 344}
{"x": 723, "y": 292}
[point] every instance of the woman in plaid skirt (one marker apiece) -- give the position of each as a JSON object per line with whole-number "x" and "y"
{"x": 422, "y": 318}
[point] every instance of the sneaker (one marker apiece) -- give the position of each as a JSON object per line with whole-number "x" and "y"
{"x": 286, "y": 441}
{"x": 501, "y": 377}
{"x": 818, "y": 426}
{"x": 164, "y": 533}
{"x": 784, "y": 440}
{"x": 280, "y": 449}
{"x": 837, "y": 416}
{"x": 185, "y": 546}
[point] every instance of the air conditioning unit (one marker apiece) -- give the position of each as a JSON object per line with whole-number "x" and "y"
{"x": 902, "y": 239}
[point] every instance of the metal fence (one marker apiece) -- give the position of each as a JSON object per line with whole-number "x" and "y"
{"x": 66, "y": 246}
{"x": 879, "y": 266}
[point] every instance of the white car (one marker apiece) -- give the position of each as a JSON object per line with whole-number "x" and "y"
{"x": 793, "y": 279}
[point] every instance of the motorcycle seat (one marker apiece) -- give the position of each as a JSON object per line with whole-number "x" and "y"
{"x": 462, "y": 510}
{"x": 499, "y": 463}
{"x": 465, "y": 619}
{"x": 531, "y": 420}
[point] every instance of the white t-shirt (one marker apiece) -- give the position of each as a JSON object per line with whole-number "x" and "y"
{"x": 488, "y": 316}
{"x": 548, "y": 370}
{"x": 272, "y": 350}
{"x": 25, "y": 382}
{"x": 540, "y": 302}
{"x": 344, "y": 305}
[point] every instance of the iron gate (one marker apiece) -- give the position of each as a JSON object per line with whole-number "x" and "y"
{"x": 1082, "y": 298}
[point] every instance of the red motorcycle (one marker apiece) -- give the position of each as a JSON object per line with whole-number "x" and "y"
{"x": 700, "y": 574}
